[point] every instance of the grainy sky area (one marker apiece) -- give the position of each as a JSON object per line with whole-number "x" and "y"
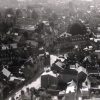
{"x": 57, "y": 0}
{"x": 13, "y": 3}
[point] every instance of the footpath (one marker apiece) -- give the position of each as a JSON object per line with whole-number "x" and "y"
{"x": 30, "y": 81}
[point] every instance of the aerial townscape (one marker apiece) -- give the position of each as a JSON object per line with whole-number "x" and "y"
{"x": 49, "y": 49}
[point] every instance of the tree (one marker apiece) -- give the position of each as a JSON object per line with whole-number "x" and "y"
{"x": 77, "y": 28}
{"x": 1, "y": 91}
{"x": 9, "y": 20}
{"x": 53, "y": 18}
{"x": 40, "y": 28}
{"x": 19, "y": 13}
{"x": 34, "y": 15}
{"x": 9, "y": 11}
{"x": 1, "y": 23}
{"x": 48, "y": 11}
